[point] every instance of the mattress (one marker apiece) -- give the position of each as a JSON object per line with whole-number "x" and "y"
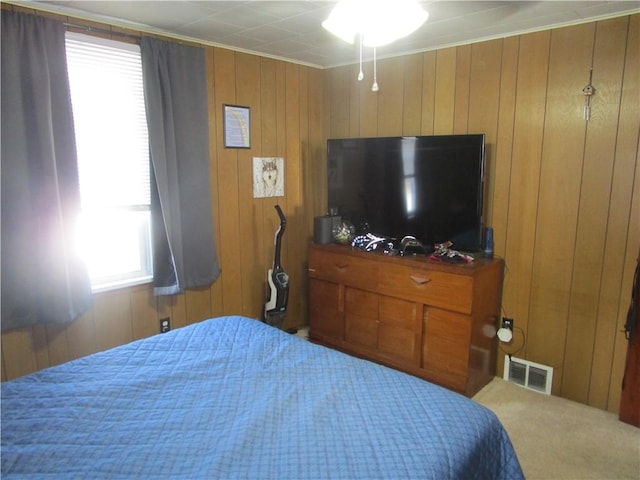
{"x": 232, "y": 397}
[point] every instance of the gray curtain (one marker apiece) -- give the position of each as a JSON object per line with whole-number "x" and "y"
{"x": 177, "y": 117}
{"x": 43, "y": 279}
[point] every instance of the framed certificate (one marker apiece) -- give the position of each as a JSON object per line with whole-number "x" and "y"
{"x": 237, "y": 126}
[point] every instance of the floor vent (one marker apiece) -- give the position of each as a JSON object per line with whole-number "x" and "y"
{"x": 528, "y": 374}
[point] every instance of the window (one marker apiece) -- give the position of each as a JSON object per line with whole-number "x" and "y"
{"x": 107, "y": 97}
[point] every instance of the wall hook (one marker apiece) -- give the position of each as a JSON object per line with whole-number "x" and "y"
{"x": 588, "y": 92}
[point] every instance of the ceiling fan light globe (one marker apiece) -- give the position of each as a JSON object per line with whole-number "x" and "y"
{"x": 340, "y": 21}
{"x": 380, "y": 22}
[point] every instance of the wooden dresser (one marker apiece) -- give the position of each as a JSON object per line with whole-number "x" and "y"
{"x": 430, "y": 319}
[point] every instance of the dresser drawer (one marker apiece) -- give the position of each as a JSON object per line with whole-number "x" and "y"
{"x": 430, "y": 287}
{"x": 343, "y": 269}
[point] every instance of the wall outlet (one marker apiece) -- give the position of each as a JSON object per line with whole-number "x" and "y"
{"x": 505, "y": 333}
{"x": 507, "y": 323}
{"x": 165, "y": 324}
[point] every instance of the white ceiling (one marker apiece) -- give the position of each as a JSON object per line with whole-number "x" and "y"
{"x": 292, "y": 30}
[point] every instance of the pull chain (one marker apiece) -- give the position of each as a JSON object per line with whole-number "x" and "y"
{"x": 360, "y": 75}
{"x": 374, "y": 87}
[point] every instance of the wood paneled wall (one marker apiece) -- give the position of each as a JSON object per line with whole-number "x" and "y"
{"x": 286, "y": 121}
{"x": 563, "y": 194}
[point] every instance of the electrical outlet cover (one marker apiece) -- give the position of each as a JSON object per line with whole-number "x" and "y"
{"x": 505, "y": 335}
{"x": 165, "y": 325}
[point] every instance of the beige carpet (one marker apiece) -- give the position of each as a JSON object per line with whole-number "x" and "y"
{"x": 556, "y": 438}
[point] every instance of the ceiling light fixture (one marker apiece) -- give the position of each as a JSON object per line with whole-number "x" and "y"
{"x": 375, "y": 23}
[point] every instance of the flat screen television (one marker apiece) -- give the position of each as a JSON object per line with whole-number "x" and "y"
{"x": 429, "y": 187}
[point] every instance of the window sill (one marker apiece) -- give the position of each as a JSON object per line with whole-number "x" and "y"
{"x": 118, "y": 284}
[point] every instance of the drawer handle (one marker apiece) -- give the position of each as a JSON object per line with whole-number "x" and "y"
{"x": 342, "y": 266}
{"x": 420, "y": 280}
{"x": 311, "y": 269}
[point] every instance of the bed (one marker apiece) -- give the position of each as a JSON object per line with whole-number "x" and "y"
{"x": 232, "y": 397}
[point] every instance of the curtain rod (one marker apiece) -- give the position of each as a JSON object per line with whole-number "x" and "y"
{"x": 89, "y": 29}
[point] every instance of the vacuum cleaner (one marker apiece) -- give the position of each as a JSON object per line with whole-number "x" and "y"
{"x": 277, "y": 281}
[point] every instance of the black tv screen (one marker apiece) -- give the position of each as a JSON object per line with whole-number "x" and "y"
{"x": 429, "y": 187}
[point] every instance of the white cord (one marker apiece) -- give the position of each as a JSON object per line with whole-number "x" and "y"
{"x": 374, "y": 87}
{"x": 360, "y": 75}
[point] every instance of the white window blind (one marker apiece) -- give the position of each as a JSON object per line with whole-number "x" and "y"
{"x": 107, "y": 95}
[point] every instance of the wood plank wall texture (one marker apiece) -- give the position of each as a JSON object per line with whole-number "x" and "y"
{"x": 286, "y": 121}
{"x": 563, "y": 194}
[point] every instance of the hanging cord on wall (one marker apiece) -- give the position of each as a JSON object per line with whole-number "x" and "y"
{"x": 517, "y": 350}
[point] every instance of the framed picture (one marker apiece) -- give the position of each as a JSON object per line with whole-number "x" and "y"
{"x": 237, "y": 126}
{"x": 268, "y": 177}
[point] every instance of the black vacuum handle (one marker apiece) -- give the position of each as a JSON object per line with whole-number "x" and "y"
{"x": 283, "y": 224}
{"x": 283, "y": 220}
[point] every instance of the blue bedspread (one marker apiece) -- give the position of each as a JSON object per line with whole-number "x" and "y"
{"x": 234, "y": 398}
